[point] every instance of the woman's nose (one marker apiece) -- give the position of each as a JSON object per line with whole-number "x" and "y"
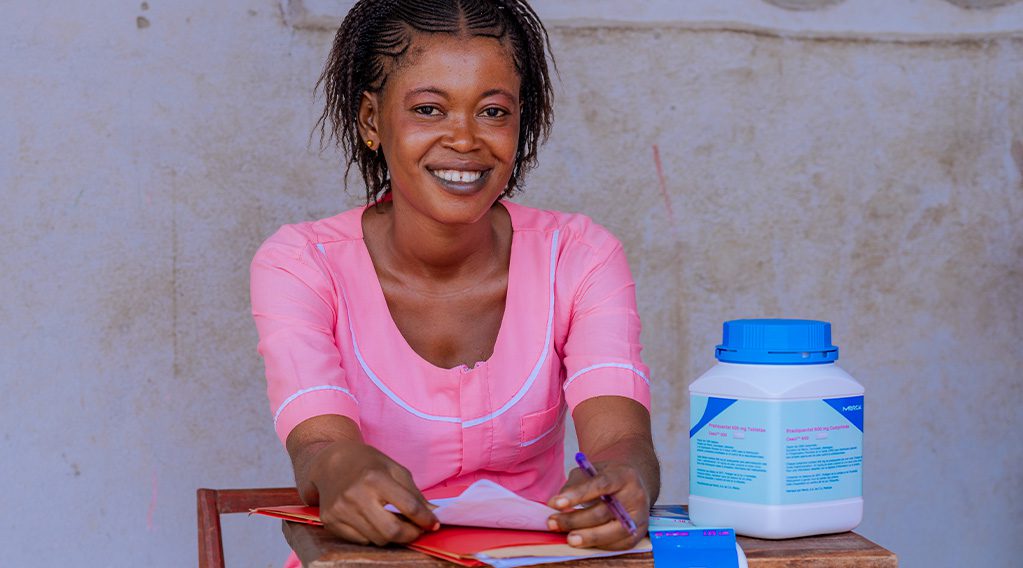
{"x": 461, "y": 135}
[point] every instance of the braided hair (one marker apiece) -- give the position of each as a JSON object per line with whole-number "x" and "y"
{"x": 376, "y": 35}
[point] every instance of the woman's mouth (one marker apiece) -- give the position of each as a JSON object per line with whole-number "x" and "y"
{"x": 457, "y": 176}
{"x": 461, "y": 182}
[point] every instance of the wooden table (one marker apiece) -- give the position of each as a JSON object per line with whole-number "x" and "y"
{"x": 318, "y": 549}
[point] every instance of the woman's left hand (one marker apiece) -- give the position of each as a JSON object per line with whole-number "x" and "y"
{"x": 594, "y": 525}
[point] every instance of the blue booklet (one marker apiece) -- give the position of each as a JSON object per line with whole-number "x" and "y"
{"x": 680, "y": 544}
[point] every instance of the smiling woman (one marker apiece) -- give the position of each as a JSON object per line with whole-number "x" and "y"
{"x": 449, "y": 121}
{"x": 362, "y": 62}
{"x": 440, "y": 334}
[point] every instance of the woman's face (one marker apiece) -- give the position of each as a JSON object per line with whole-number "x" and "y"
{"x": 447, "y": 121}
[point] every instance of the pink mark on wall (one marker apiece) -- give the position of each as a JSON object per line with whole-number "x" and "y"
{"x": 154, "y": 490}
{"x": 663, "y": 184}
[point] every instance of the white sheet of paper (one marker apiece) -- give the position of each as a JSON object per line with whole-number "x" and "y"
{"x": 488, "y": 504}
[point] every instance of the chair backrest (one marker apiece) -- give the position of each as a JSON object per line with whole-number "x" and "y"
{"x": 211, "y": 503}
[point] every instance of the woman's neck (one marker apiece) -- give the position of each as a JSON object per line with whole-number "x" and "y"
{"x": 417, "y": 246}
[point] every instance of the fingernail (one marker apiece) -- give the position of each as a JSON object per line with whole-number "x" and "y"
{"x": 561, "y": 502}
{"x": 552, "y": 524}
{"x": 575, "y": 540}
{"x": 436, "y": 526}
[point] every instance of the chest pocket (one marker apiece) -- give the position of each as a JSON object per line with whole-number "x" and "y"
{"x": 541, "y": 430}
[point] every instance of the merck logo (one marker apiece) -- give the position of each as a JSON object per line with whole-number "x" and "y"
{"x": 852, "y": 407}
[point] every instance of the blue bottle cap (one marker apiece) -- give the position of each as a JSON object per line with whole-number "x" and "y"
{"x": 776, "y": 342}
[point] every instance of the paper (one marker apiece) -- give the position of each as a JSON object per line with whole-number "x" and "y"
{"x": 487, "y": 504}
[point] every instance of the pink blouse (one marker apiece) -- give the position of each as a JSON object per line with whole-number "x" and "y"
{"x": 570, "y": 332}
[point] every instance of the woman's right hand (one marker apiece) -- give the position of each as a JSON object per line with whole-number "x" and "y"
{"x": 352, "y": 482}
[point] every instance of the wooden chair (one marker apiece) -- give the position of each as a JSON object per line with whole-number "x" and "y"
{"x": 215, "y": 502}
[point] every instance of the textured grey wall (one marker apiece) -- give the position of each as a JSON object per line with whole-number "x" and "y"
{"x": 145, "y": 152}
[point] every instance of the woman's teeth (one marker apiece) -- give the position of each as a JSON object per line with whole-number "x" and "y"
{"x": 458, "y": 176}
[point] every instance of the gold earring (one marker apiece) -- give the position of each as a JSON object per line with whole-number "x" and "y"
{"x": 370, "y": 144}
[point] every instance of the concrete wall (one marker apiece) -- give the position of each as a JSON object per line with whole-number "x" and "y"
{"x": 146, "y": 149}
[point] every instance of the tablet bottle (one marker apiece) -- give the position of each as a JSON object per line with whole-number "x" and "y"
{"x": 776, "y": 438}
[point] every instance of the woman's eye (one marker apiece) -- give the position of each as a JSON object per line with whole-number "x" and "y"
{"x": 494, "y": 112}
{"x": 427, "y": 110}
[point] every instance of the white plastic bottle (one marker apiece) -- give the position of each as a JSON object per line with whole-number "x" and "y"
{"x": 776, "y": 438}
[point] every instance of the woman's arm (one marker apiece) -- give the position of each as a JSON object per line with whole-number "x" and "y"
{"x": 607, "y": 386}
{"x": 352, "y": 482}
{"x": 314, "y": 409}
{"x": 614, "y": 433}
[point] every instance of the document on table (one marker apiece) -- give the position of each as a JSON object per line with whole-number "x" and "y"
{"x": 487, "y": 504}
{"x": 473, "y": 531}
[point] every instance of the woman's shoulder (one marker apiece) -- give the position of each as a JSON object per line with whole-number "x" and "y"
{"x": 573, "y": 229}
{"x": 580, "y": 249}
{"x": 345, "y": 226}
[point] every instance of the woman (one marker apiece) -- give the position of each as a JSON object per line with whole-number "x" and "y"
{"x": 439, "y": 335}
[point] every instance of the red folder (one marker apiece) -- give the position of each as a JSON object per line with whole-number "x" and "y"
{"x": 293, "y": 513}
{"x": 452, "y": 543}
{"x": 311, "y": 515}
{"x": 459, "y": 544}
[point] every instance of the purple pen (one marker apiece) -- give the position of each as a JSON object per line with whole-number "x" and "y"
{"x": 609, "y": 500}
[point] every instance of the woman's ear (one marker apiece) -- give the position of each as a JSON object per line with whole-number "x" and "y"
{"x": 369, "y": 117}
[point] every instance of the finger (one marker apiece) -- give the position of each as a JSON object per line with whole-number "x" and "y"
{"x": 351, "y": 511}
{"x": 391, "y": 527}
{"x": 576, "y": 477}
{"x": 587, "y": 490}
{"x": 367, "y": 525}
{"x": 346, "y": 531}
{"x": 597, "y": 513}
{"x": 411, "y": 503}
{"x": 601, "y": 536}
{"x": 344, "y": 522}
{"x": 624, "y": 544}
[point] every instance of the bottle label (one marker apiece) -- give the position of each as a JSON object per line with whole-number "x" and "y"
{"x": 776, "y": 452}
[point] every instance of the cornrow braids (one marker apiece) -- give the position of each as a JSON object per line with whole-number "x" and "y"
{"x": 374, "y": 39}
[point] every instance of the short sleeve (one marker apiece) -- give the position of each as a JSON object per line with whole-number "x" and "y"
{"x": 295, "y": 313}
{"x": 601, "y": 353}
